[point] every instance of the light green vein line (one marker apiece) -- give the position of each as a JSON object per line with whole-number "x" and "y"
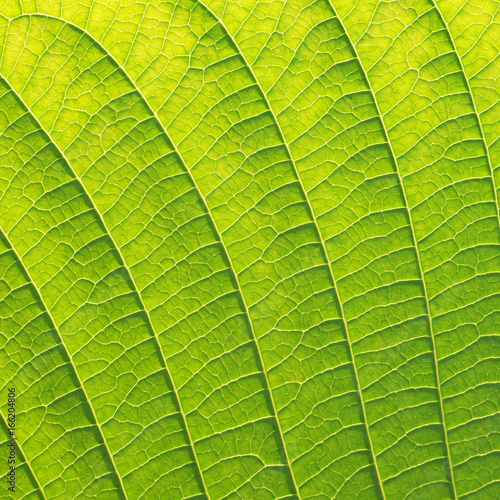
{"x": 69, "y": 357}
{"x": 407, "y": 206}
{"x": 321, "y": 239}
{"x": 139, "y": 296}
{"x": 469, "y": 90}
{"x": 213, "y": 223}
{"x": 26, "y": 461}
{"x": 247, "y": 312}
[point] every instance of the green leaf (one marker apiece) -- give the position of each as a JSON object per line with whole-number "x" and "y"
{"x": 251, "y": 249}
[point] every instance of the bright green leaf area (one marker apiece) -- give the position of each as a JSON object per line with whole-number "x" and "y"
{"x": 251, "y": 248}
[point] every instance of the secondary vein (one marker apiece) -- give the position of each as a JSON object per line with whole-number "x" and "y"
{"x": 77, "y": 375}
{"x": 321, "y": 239}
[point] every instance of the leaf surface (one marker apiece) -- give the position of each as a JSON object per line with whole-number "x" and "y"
{"x": 251, "y": 249}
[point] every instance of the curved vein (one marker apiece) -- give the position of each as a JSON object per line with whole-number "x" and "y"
{"x": 322, "y": 241}
{"x": 135, "y": 86}
{"x": 77, "y": 375}
{"x": 478, "y": 116}
{"x": 101, "y": 219}
{"x": 421, "y": 272}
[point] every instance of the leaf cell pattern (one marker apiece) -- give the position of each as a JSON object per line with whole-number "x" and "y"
{"x": 251, "y": 249}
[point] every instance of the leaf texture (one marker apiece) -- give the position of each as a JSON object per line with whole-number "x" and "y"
{"x": 251, "y": 249}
